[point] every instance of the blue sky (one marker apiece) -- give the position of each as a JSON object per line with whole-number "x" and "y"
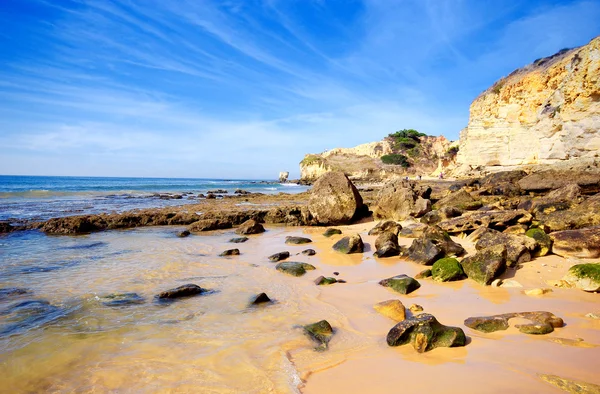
{"x": 243, "y": 89}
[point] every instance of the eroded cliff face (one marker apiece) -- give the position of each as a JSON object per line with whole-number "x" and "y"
{"x": 363, "y": 162}
{"x": 545, "y": 113}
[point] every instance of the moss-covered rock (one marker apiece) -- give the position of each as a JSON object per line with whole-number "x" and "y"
{"x": 403, "y": 284}
{"x": 425, "y": 333}
{"x": 279, "y": 256}
{"x": 446, "y": 270}
{"x": 294, "y": 268}
{"x": 321, "y": 332}
{"x": 543, "y": 241}
{"x": 571, "y": 386}
{"x": 322, "y": 280}
{"x": 541, "y": 322}
{"x": 394, "y": 309}
{"x": 230, "y": 252}
{"x": 309, "y": 252}
{"x": 122, "y": 299}
{"x": 424, "y": 274}
{"x": 347, "y": 245}
{"x": 518, "y": 247}
{"x": 387, "y": 226}
{"x": 239, "y": 240}
{"x": 297, "y": 240}
{"x": 486, "y": 264}
{"x": 584, "y": 276}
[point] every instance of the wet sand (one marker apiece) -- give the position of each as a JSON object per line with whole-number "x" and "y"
{"x": 215, "y": 344}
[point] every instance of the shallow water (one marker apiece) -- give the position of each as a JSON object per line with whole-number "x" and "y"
{"x": 214, "y": 343}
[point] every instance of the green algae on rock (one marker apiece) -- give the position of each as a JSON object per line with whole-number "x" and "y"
{"x": 321, "y": 332}
{"x": 348, "y": 245}
{"x": 294, "y": 268}
{"x": 331, "y": 232}
{"x": 322, "y": 280}
{"x": 486, "y": 264}
{"x": 541, "y": 322}
{"x": 584, "y": 276}
{"x": 425, "y": 333}
{"x": 446, "y": 270}
{"x": 571, "y": 386}
{"x": 543, "y": 241}
{"x": 403, "y": 284}
{"x": 297, "y": 240}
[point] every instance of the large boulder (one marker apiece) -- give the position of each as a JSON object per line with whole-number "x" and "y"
{"x": 461, "y": 199}
{"x": 425, "y": 333}
{"x": 542, "y": 181}
{"x": 433, "y": 245}
{"x": 446, "y": 270}
{"x": 401, "y": 200}
{"x": 566, "y": 216}
{"x": 485, "y": 265}
{"x": 518, "y": 247}
{"x": 334, "y": 199}
{"x": 209, "y": 225}
{"x": 584, "y": 243}
{"x": 584, "y": 276}
{"x": 250, "y": 226}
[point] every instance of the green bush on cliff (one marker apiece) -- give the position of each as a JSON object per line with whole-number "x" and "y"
{"x": 406, "y": 138}
{"x": 311, "y": 160}
{"x": 396, "y": 159}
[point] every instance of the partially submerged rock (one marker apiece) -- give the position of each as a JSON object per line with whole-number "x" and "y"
{"x": 348, "y": 245}
{"x": 250, "y": 226}
{"x": 230, "y": 252}
{"x": 322, "y": 280}
{"x": 279, "y": 256}
{"x": 331, "y": 232}
{"x": 261, "y": 298}
{"x": 9, "y": 292}
{"x": 584, "y": 243}
{"x": 541, "y": 322}
{"x": 309, "y": 252}
{"x": 403, "y": 284}
{"x": 387, "y": 245}
{"x": 297, "y": 240}
{"x": 122, "y": 299}
{"x": 571, "y": 386}
{"x": 394, "y": 309}
{"x": 321, "y": 332}
{"x": 584, "y": 276}
{"x": 334, "y": 199}
{"x": 294, "y": 268}
{"x": 209, "y": 225}
{"x": 447, "y": 269}
{"x": 485, "y": 265}
{"x": 182, "y": 291}
{"x": 239, "y": 240}
{"x": 425, "y": 333}
{"x": 424, "y": 274}
{"x": 25, "y": 315}
{"x": 387, "y": 226}
{"x": 183, "y": 234}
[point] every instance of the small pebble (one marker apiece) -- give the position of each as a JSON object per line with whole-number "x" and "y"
{"x": 415, "y": 308}
{"x": 336, "y": 273}
{"x": 537, "y": 292}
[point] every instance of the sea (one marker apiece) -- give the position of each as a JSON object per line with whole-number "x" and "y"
{"x": 32, "y": 198}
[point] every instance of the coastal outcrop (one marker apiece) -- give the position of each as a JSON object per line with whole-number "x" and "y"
{"x": 545, "y": 113}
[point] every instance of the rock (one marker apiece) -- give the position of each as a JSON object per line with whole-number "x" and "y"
{"x": 537, "y": 292}
{"x": 331, "y": 231}
{"x": 297, "y": 240}
{"x": 6, "y": 227}
{"x": 446, "y": 270}
{"x": 279, "y": 256}
{"x": 394, "y": 309}
{"x": 334, "y": 199}
{"x": 336, "y": 273}
{"x": 239, "y": 240}
{"x": 508, "y": 283}
{"x": 517, "y": 229}
{"x": 250, "y": 226}
{"x": 321, "y": 332}
{"x": 566, "y": 216}
{"x": 570, "y": 194}
{"x": 541, "y": 322}
{"x": 230, "y": 252}
{"x": 424, "y": 274}
{"x": 182, "y": 291}
{"x": 209, "y": 225}
{"x": 183, "y": 234}
{"x": 571, "y": 386}
{"x": 210, "y": 196}
{"x": 461, "y": 200}
{"x": 403, "y": 284}
{"x": 294, "y": 268}
{"x": 309, "y": 252}
{"x": 556, "y": 179}
{"x": 218, "y": 191}
{"x": 518, "y": 247}
{"x": 413, "y": 230}
{"x": 542, "y": 240}
{"x": 584, "y": 243}
{"x": 388, "y": 226}
{"x": 584, "y": 276}
{"x": 122, "y": 299}
{"x": 348, "y": 245}
{"x": 503, "y": 183}
{"x": 496, "y": 283}
{"x": 387, "y": 245}
{"x": 433, "y": 245}
{"x": 438, "y": 215}
{"x": 261, "y": 298}
{"x": 22, "y": 316}
{"x": 283, "y": 176}
{"x": 321, "y": 280}
{"x": 9, "y": 292}
{"x": 422, "y": 207}
{"x": 397, "y": 200}
{"x": 498, "y": 220}
{"x": 414, "y": 308}
{"x": 485, "y": 265}
{"x": 425, "y": 333}
{"x": 593, "y": 315}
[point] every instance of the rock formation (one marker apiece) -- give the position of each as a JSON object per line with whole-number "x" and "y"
{"x": 545, "y": 113}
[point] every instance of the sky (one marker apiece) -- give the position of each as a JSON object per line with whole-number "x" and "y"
{"x": 245, "y": 88}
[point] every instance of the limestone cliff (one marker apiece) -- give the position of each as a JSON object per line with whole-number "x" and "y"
{"x": 545, "y": 113}
{"x": 363, "y": 162}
